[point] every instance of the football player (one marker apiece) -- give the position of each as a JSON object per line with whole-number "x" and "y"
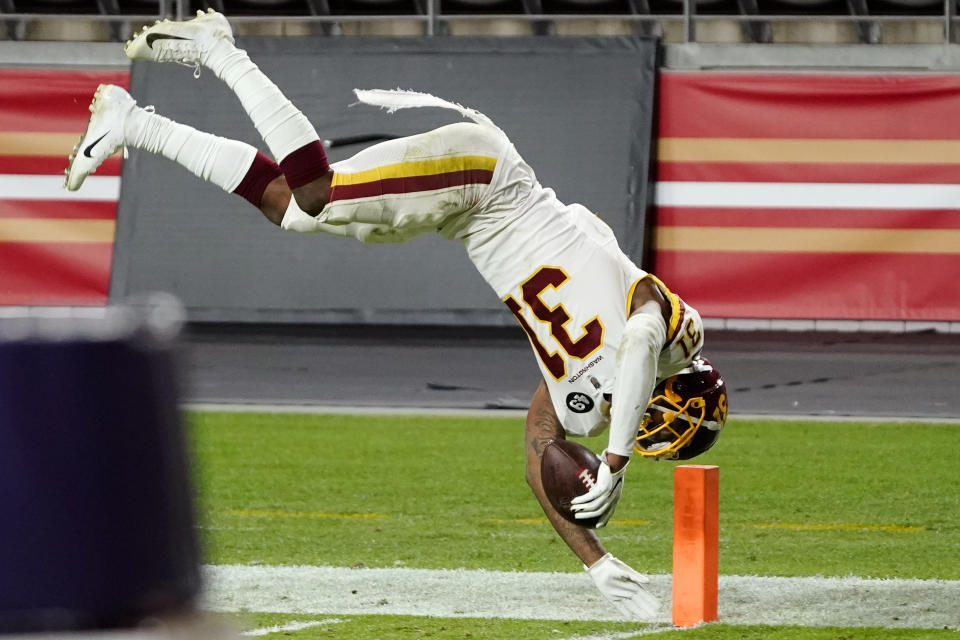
{"x": 617, "y": 349}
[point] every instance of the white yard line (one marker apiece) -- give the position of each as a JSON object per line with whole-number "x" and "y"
{"x": 625, "y": 635}
{"x": 293, "y": 626}
{"x": 746, "y": 600}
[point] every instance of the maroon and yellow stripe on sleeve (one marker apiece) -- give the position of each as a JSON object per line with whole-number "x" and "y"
{"x": 413, "y": 177}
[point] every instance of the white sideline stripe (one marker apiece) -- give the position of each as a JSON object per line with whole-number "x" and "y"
{"x": 293, "y": 626}
{"x": 27, "y": 187}
{"x": 827, "y": 325}
{"x": 814, "y": 195}
{"x": 624, "y": 635}
{"x": 319, "y": 409}
{"x": 237, "y": 407}
{"x": 457, "y": 593}
{"x": 827, "y": 417}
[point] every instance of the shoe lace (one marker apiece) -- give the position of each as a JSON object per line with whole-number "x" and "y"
{"x": 184, "y": 53}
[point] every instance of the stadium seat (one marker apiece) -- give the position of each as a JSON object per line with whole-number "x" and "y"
{"x": 398, "y": 8}
{"x": 62, "y": 29}
{"x": 8, "y": 28}
{"x": 867, "y": 31}
{"x": 378, "y": 7}
{"x": 492, "y": 8}
{"x": 72, "y": 7}
{"x": 907, "y": 7}
{"x": 484, "y": 7}
{"x": 753, "y": 31}
{"x": 610, "y": 9}
{"x": 151, "y": 8}
{"x": 202, "y": 5}
{"x": 50, "y": 25}
{"x": 270, "y": 7}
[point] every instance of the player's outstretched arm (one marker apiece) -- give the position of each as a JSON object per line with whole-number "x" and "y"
{"x": 619, "y": 584}
{"x": 542, "y": 426}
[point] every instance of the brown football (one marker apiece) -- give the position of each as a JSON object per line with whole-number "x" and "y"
{"x": 568, "y": 470}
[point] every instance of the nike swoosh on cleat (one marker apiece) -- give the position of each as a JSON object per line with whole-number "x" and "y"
{"x": 162, "y": 36}
{"x": 90, "y": 146}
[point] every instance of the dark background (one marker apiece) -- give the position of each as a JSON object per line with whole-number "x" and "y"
{"x": 767, "y": 373}
{"x": 580, "y": 111}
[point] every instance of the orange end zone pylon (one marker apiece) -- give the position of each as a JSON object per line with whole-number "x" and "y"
{"x": 696, "y": 532}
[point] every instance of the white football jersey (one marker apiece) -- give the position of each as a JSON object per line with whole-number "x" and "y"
{"x": 557, "y": 267}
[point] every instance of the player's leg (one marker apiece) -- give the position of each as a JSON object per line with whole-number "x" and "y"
{"x": 422, "y": 181}
{"x": 207, "y": 40}
{"x": 116, "y": 121}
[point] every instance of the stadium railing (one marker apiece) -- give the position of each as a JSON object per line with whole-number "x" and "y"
{"x": 676, "y": 21}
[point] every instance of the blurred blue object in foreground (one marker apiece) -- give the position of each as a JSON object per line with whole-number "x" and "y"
{"x": 96, "y": 507}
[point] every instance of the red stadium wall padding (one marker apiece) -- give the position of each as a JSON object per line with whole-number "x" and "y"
{"x": 797, "y": 195}
{"x": 55, "y": 247}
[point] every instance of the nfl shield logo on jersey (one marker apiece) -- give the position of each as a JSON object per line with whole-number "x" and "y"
{"x": 579, "y": 402}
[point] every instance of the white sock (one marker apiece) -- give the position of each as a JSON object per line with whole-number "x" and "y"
{"x": 283, "y": 127}
{"x": 222, "y": 161}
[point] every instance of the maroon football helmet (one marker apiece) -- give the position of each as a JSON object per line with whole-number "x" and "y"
{"x": 685, "y": 415}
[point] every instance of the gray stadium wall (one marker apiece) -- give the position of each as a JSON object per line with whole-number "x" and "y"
{"x": 580, "y": 111}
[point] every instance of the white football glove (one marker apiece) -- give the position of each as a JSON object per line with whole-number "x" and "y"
{"x": 602, "y": 499}
{"x": 623, "y": 588}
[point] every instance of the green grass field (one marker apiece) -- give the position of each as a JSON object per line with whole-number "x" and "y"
{"x": 796, "y": 499}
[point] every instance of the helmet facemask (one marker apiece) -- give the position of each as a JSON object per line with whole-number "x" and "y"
{"x": 686, "y": 414}
{"x": 668, "y": 425}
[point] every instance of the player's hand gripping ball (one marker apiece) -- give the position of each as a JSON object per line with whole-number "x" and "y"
{"x": 568, "y": 470}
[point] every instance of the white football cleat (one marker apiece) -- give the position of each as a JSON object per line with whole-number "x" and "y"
{"x": 186, "y": 42}
{"x": 104, "y": 135}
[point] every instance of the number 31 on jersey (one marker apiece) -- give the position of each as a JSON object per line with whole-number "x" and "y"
{"x": 557, "y": 318}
